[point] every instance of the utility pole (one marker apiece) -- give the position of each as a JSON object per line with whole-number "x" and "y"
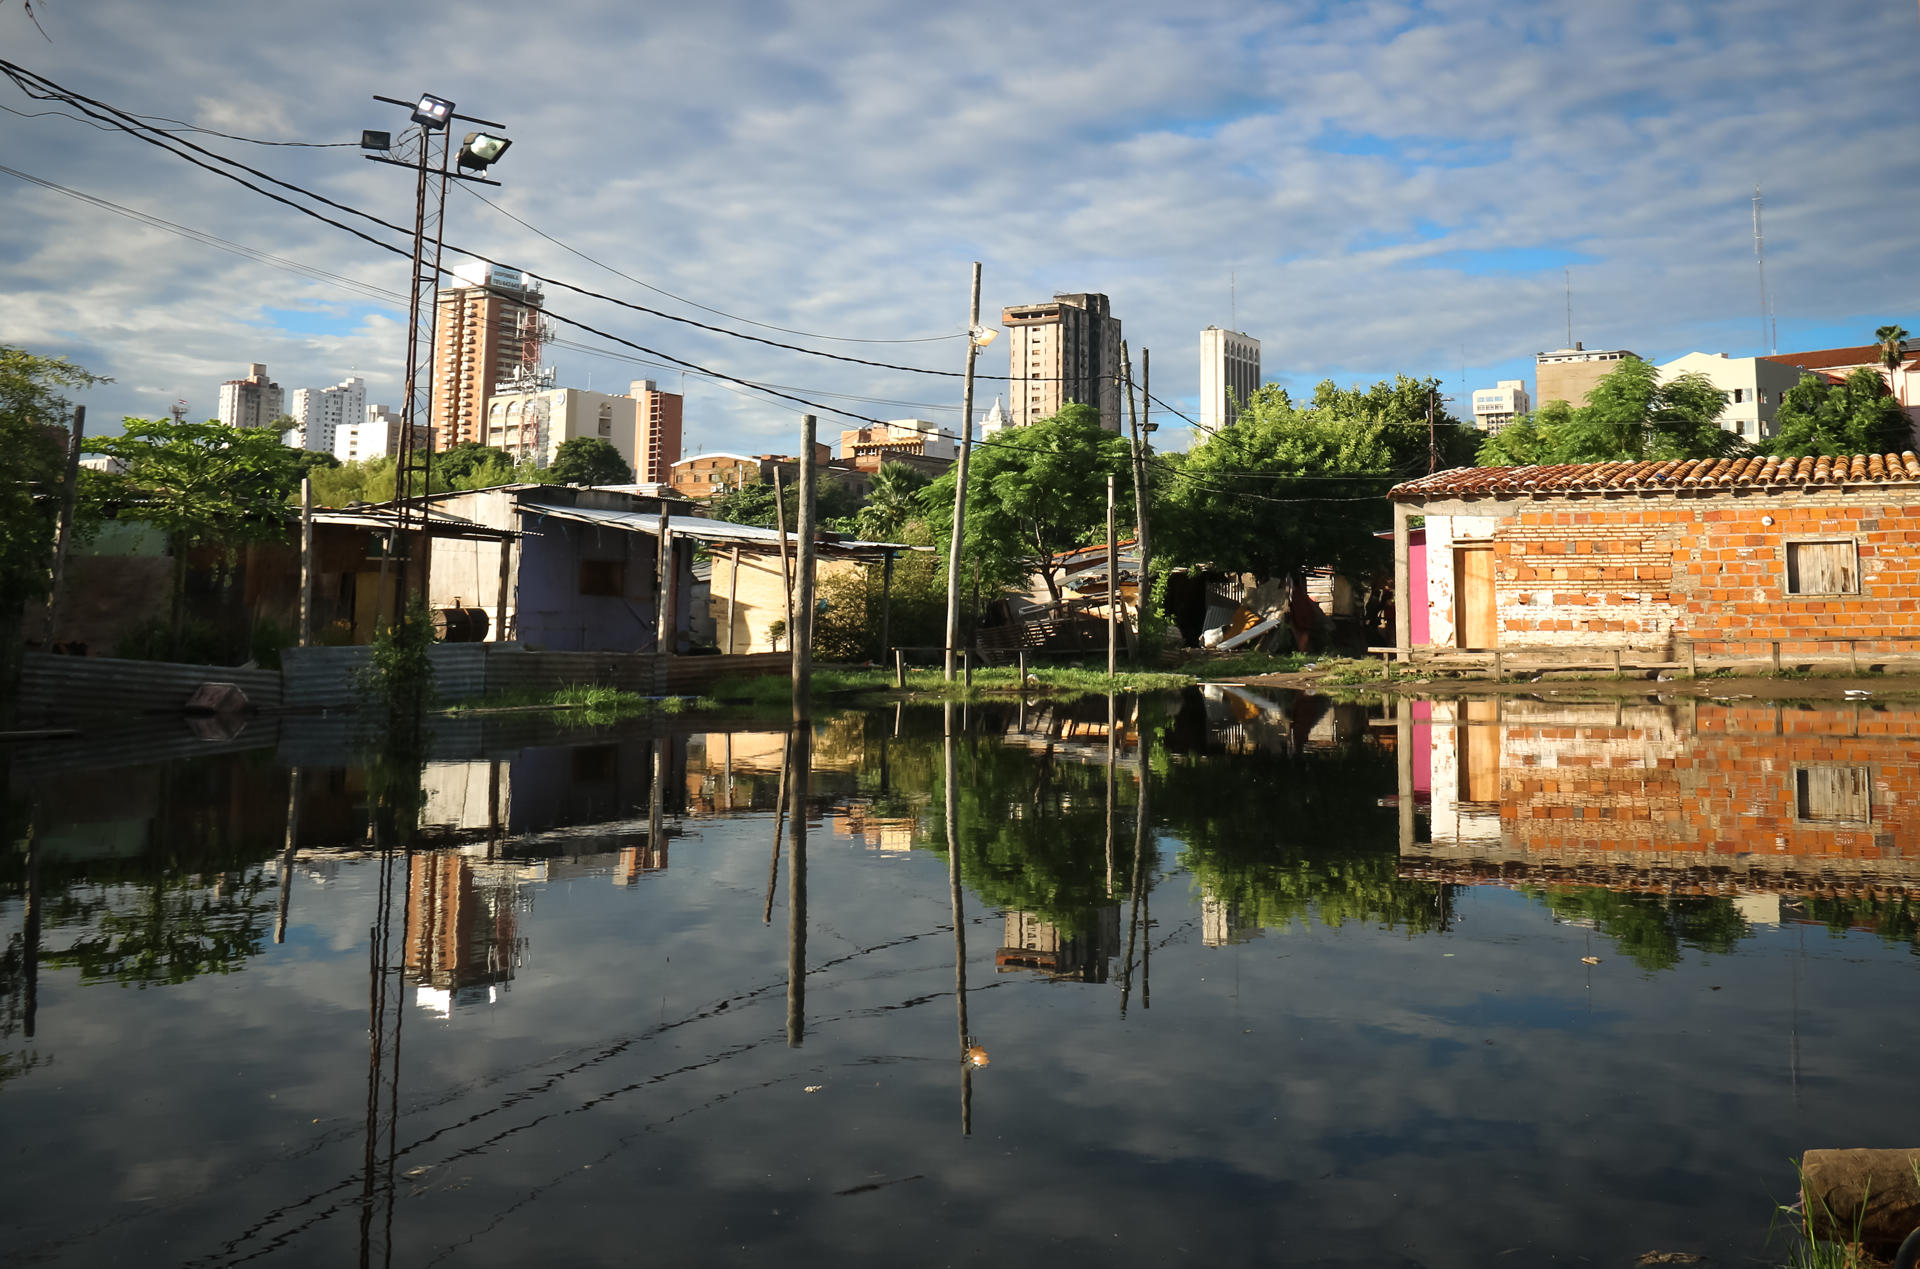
{"x": 663, "y": 615}
{"x": 63, "y": 532}
{"x": 306, "y": 564}
{"x": 1433, "y": 442}
{"x": 802, "y": 633}
{"x": 960, "y": 476}
{"x": 1113, "y": 587}
{"x": 1141, "y": 541}
{"x": 786, "y": 572}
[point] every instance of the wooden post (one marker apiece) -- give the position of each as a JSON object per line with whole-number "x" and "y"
{"x": 886, "y": 605}
{"x": 779, "y": 824}
{"x": 1616, "y": 661}
{"x": 1853, "y": 657}
{"x": 1403, "y": 596}
{"x": 1142, "y": 544}
{"x": 1113, "y": 729}
{"x": 63, "y": 531}
{"x": 801, "y": 634}
{"x": 899, "y": 668}
{"x": 733, "y": 597}
{"x": 663, "y": 639}
{"x": 1693, "y": 662}
{"x": 951, "y": 819}
{"x": 306, "y": 562}
{"x": 1112, "y": 586}
{"x": 966, "y": 659}
{"x": 285, "y": 900}
{"x": 1776, "y": 656}
{"x": 960, "y": 481}
{"x": 1499, "y": 665}
{"x": 657, "y": 805}
{"x": 797, "y": 848}
{"x": 786, "y": 575}
{"x": 1022, "y": 655}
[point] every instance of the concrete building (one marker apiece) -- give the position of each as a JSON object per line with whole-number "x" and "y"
{"x": 487, "y": 332}
{"x": 1495, "y": 407}
{"x": 1568, "y": 374}
{"x": 534, "y": 424}
{"x": 868, "y": 447}
{"x": 254, "y": 401}
{"x": 1229, "y": 374}
{"x": 1754, "y": 386}
{"x": 658, "y": 419}
{"x": 707, "y": 475}
{"x": 377, "y": 435}
{"x": 320, "y": 413}
{"x": 1063, "y": 351}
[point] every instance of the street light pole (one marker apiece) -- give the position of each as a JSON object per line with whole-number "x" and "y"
{"x": 974, "y": 342}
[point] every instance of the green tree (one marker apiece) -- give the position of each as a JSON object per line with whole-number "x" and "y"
{"x": 588, "y": 460}
{"x": 205, "y": 485}
{"x": 1856, "y": 416}
{"x": 33, "y": 437}
{"x": 892, "y": 502}
{"x": 459, "y": 461}
{"x": 834, "y": 503}
{"x": 1630, "y": 416}
{"x": 1890, "y": 339}
{"x": 1035, "y": 492}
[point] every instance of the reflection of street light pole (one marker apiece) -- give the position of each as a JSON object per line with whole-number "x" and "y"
{"x": 478, "y": 152}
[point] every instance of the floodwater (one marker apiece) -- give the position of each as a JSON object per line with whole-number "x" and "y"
{"x": 1441, "y": 984}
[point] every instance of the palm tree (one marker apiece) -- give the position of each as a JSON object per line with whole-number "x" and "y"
{"x": 1890, "y": 339}
{"x": 891, "y": 501}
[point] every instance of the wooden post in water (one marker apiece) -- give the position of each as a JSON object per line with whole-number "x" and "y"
{"x": 1113, "y": 588}
{"x": 1112, "y": 743}
{"x": 779, "y": 825}
{"x": 285, "y": 898}
{"x": 952, "y": 823}
{"x": 802, "y": 750}
{"x": 63, "y": 529}
{"x": 786, "y": 573}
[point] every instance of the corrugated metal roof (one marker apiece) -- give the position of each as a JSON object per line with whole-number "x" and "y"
{"x": 705, "y": 530}
{"x": 1684, "y": 475}
{"x": 382, "y": 517}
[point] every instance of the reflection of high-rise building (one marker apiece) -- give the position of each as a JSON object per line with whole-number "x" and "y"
{"x": 1029, "y": 942}
{"x": 1220, "y": 921}
{"x": 463, "y": 942}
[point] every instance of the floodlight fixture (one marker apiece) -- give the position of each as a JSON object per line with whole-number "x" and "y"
{"x": 981, "y": 336}
{"x": 432, "y": 112}
{"x": 373, "y": 140}
{"x": 481, "y": 150}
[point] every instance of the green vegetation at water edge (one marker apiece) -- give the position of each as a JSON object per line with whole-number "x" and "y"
{"x": 596, "y": 699}
{"x": 1050, "y": 680}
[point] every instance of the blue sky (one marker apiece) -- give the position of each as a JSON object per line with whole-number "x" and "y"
{"x": 1390, "y": 187}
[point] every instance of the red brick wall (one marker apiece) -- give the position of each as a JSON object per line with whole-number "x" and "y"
{"x": 1640, "y": 572}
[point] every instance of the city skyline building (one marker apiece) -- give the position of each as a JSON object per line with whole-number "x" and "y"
{"x": 319, "y": 414}
{"x": 1568, "y": 374}
{"x": 1495, "y": 407}
{"x": 1229, "y": 374}
{"x": 487, "y": 334}
{"x": 375, "y": 436}
{"x": 254, "y": 401}
{"x": 1753, "y": 387}
{"x": 1065, "y": 350}
{"x": 658, "y": 419}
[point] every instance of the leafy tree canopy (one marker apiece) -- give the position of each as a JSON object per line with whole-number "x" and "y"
{"x": 835, "y": 504}
{"x": 1630, "y": 416}
{"x": 1290, "y": 486}
{"x": 892, "y": 502}
{"x": 462, "y": 460}
{"x": 1035, "y": 492}
{"x": 204, "y": 484}
{"x": 33, "y": 418}
{"x": 1858, "y": 416}
{"x": 588, "y": 460}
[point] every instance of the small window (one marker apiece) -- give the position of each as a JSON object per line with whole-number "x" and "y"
{"x": 1823, "y": 568}
{"x": 603, "y": 577}
{"x": 1739, "y": 394}
{"x": 1833, "y": 795}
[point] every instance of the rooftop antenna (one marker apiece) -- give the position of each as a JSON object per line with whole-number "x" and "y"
{"x": 1760, "y": 258}
{"x": 1569, "y": 273}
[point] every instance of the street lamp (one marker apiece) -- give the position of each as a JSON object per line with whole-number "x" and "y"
{"x": 432, "y": 112}
{"x": 481, "y": 150}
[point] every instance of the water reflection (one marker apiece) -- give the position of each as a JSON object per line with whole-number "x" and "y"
{"x": 574, "y": 935}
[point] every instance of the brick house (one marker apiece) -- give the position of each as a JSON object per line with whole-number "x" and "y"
{"x": 1722, "y": 554}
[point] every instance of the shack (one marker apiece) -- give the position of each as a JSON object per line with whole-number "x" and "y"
{"x": 1813, "y": 556}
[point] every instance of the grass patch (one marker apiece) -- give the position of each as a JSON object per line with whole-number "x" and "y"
{"x": 1233, "y": 665}
{"x": 777, "y": 689}
{"x": 595, "y": 701}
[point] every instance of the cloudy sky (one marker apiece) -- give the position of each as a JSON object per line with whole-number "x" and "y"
{"x": 1369, "y": 188}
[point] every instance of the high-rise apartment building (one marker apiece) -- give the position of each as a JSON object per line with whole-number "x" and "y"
{"x": 486, "y": 333}
{"x": 1229, "y": 374}
{"x": 320, "y": 413}
{"x": 1063, "y": 351}
{"x": 657, "y": 419}
{"x": 254, "y": 401}
{"x": 1495, "y": 407}
{"x": 1568, "y": 374}
{"x": 375, "y": 436}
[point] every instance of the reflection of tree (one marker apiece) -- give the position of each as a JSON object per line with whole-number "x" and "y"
{"x": 1650, "y": 929}
{"x": 1286, "y": 838}
{"x": 172, "y": 928}
{"x": 1895, "y": 920}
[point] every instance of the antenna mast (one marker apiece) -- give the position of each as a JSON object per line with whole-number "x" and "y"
{"x": 1569, "y": 273}
{"x": 1760, "y": 259}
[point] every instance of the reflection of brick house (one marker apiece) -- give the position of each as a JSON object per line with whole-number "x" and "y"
{"x": 1702, "y": 798}
{"x": 1727, "y": 554}
{"x": 1029, "y": 942}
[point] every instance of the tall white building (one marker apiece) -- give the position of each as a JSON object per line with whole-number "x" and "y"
{"x": 254, "y": 401}
{"x": 1753, "y": 387}
{"x": 1495, "y": 407}
{"x": 535, "y": 424}
{"x": 1063, "y": 351}
{"x": 377, "y": 435}
{"x": 1229, "y": 374}
{"x": 320, "y": 413}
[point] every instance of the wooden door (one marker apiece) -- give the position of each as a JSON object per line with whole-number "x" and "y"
{"x": 1473, "y": 608}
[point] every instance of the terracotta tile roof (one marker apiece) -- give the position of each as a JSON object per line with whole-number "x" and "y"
{"x": 1830, "y": 358}
{"x": 1670, "y": 477}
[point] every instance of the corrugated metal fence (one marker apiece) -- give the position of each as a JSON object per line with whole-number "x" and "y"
{"x": 59, "y": 688}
